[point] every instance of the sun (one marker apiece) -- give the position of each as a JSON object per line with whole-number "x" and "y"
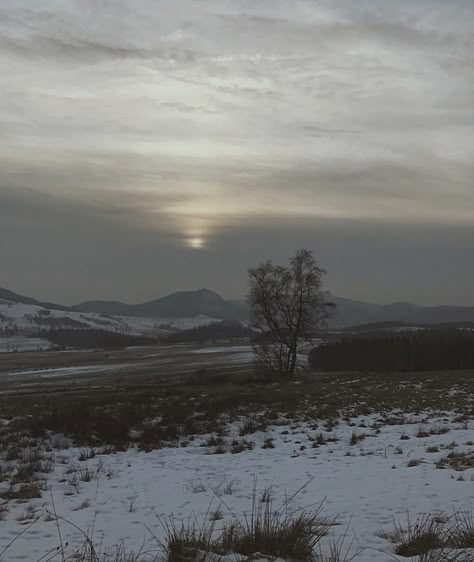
{"x": 196, "y": 243}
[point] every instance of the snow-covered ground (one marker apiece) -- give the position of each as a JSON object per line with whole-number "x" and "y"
{"x": 366, "y": 485}
{"x": 68, "y": 371}
{"x": 22, "y": 343}
{"x": 30, "y": 319}
{"x": 224, "y": 349}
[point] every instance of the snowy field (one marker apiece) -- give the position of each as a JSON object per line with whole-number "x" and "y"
{"x": 371, "y": 451}
{"x": 365, "y": 485}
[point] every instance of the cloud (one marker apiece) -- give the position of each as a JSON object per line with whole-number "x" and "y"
{"x": 55, "y": 248}
{"x": 185, "y": 119}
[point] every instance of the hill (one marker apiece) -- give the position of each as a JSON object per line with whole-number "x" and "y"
{"x": 351, "y": 313}
{"x": 217, "y": 331}
{"x": 185, "y": 304}
{"x": 9, "y": 296}
{"x": 24, "y": 316}
{"x": 204, "y": 305}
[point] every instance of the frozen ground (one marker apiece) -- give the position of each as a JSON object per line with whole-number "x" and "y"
{"x": 365, "y": 484}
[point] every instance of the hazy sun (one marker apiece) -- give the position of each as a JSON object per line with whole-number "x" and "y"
{"x": 196, "y": 243}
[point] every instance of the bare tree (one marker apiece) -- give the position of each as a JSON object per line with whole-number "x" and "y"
{"x": 287, "y": 305}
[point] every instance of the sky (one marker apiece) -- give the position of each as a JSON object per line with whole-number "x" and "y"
{"x": 154, "y": 146}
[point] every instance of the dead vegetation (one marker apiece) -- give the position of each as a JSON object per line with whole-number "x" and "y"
{"x": 457, "y": 460}
{"x": 274, "y": 531}
{"x": 157, "y": 413}
{"x": 434, "y": 536}
{"x": 160, "y": 412}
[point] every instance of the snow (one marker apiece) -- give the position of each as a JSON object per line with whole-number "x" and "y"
{"x": 67, "y": 371}
{"x": 187, "y": 323}
{"x": 29, "y": 319}
{"x": 241, "y": 353}
{"x": 232, "y": 353}
{"x": 225, "y": 349}
{"x": 366, "y": 485}
{"x": 22, "y": 343}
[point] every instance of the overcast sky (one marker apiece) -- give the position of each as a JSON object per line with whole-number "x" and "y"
{"x": 152, "y": 146}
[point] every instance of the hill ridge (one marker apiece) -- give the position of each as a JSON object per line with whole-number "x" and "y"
{"x": 203, "y": 301}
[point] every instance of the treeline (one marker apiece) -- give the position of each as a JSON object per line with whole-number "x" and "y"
{"x": 86, "y": 339}
{"x": 418, "y": 351}
{"x": 211, "y": 333}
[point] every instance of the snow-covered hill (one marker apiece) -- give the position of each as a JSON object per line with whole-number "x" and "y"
{"x": 20, "y": 319}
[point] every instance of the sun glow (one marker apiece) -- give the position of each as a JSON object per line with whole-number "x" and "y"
{"x": 196, "y": 242}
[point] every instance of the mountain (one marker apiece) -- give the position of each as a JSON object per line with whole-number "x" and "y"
{"x": 10, "y": 296}
{"x": 185, "y": 304}
{"x": 21, "y": 315}
{"x": 209, "y": 305}
{"x": 351, "y": 313}
{"x": 348, "y": 312}
{"x": 110, "y": 308}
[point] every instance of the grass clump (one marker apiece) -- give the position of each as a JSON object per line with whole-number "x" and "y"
{"x": 356, "y": 438}
{"x": 435, "y": 537}
{"x": 458, "y": 460}
{"x": 272, "y": 531}
{"x": 414, "y": 538}
{"x": 23, "y": 492}
{"x": 461, "y": 532}
{"x": 188, "y": 541}
{"x": 275, "y": 533}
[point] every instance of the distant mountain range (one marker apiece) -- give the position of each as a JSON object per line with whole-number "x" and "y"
{"x": 188, "y": 304}
{"x": 348, "y": 312}
{"x": 351, "y": 313}
{"x": 203, "y": 302}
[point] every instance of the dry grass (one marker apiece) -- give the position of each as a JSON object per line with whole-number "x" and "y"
{"x": 435, "y": 537}
{"x": 106, "y": 415}
{"x": 419, "y": 536}
{"x": 427, "y": 431}
{"x": 458, "y": 460}
{"x": 356, "y": 438}
{"x": 461, "y": 532}
{"x": 23, "y": 492}
{"x": 188, "y": 541}
{"x": 273, "y": 531}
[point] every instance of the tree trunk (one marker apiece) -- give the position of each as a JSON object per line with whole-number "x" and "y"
{"x": 292, "y": 368}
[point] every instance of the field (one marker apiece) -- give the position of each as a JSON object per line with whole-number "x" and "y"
{"x": 105, "y": 454}
{"x": 136, "y": 362}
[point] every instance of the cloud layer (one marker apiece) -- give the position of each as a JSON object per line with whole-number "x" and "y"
{"x": 174, "y": 121}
